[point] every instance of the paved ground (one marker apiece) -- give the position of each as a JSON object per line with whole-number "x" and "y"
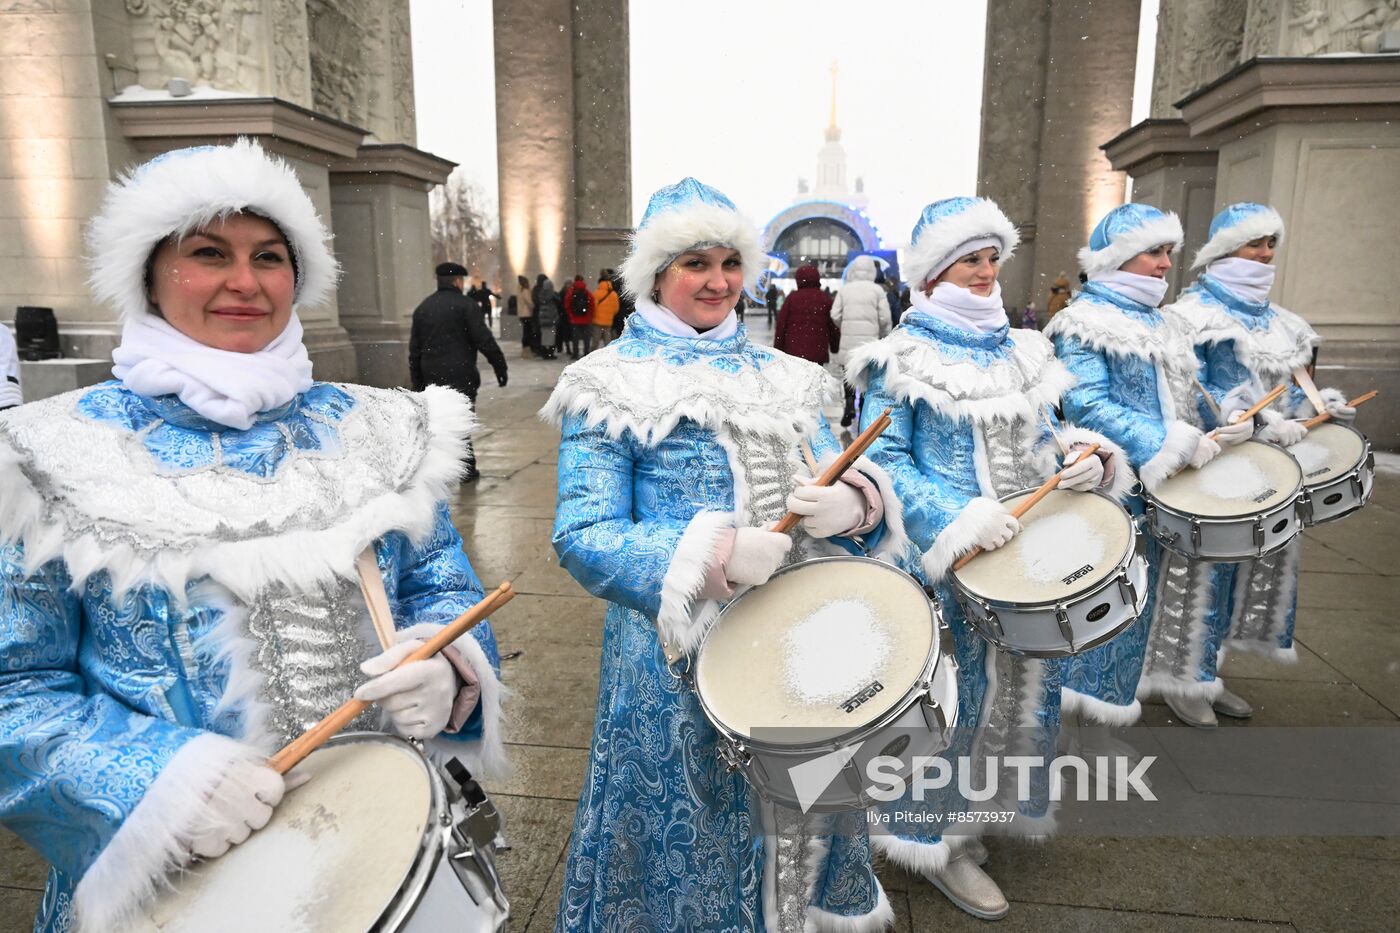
{"x": 1349, "y": 657}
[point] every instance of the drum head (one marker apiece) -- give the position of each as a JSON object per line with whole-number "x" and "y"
{"x": 336, "y": 852}
{"x": 1069, "y": 542}
{"x": 1243, "y": 480}
{"x": 1327, "y": 452}
{"x": 797, "y": 650}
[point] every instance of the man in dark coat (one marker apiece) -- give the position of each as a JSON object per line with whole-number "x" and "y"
{"x": 805, "y": 327}
{"x": 448, "y": 330}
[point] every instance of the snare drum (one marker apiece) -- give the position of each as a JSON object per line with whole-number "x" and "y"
{"x": 1338, "y": 472}
{"x": 839, "y": 656}
{"x": 1240, "y": 506}
{"x": 377, "y": 839}
{"x": 1072, "y": 579}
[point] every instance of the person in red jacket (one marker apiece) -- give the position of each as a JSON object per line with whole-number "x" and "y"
{"x": 579, "y": 306}
{"x": 805, "y": 327}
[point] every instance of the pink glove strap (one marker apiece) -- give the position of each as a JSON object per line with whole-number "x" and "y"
{"x": 874, "y": 505}
{"x": 469, "y": 694}
{"x": 715, "y": 586}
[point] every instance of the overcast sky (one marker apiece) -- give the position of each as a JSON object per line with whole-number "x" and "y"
{"x": 742, "y": 105}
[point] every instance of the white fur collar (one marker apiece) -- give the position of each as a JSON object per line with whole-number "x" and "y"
{"x": 1109, "y": 329}
{"x": 1021, "y": 383}
{"x": 1270, "y": 352}
{"x": 754, "y": 389}
{"x": 87, "y": 492}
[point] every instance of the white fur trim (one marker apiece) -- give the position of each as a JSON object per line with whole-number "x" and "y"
{"x": 695, "y": 226}
{"x": 1164, "y": 685}
{"x": 487, "y": 758}
{"x": 1120, "y": 486}
{"x": 1176, "y": 451}
{"x": 982, "y": 219}
{"x": 895, "y": 541}
{"x": 1019, "y": 386}
{"x": 682, "y": 622}
{"x": 154, "y": 839}
{"x": 1287, "y": 655}
{"x": 1261, "y": 223}
{"x": 1100, "y": 712}
{"x": 922, "y": 858}
{"x": 181, "y": 192}
{"x": 1153, "y": 233}
{"x": 648, "y": 397}
{"x": 1270, "y": 353}
{"x": 979, "y": 518}
{"x": 228, "y": 644}
{"x": 302, "y": 560}
{"x": 880, "y": 917}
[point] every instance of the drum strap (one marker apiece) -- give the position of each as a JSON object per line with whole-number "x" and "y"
{"x": 372, "y": 588}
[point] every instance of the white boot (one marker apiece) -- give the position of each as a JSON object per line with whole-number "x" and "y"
{"x": 1232, "y": 704}
{"x": 1194, "y": 711}
{"x": 970, "y": 888}
{"x": 1091, "y": 742}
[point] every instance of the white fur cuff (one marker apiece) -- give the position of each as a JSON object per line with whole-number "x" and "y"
{"x": 881, "y": 917}
{"x": 487, "y": 757}
{"x": 154, "y": 839}
{"x": 1091, "y": 710}
{"x": 683, "y": 619}
{"x": 922, "y": 858}
{"x": 1176, "y": 452}
{"x": 978, "y": 519}
{"x": 1118, "y": 476}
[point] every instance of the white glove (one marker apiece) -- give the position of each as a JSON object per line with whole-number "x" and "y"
{"x": 1206, "y": 449}
{"x": 757, "y": 554}
{"x": 1340, "y": 411}
{"x": 999, "y": 533}
{"x": 418, "y": 696}
{"x": 1284, "y": 432}
{"x": 1228, "y": 435}
{"x": 241, "y": 803}
{"x": 829, "y": 510}
{"x": 1084, "y": 475}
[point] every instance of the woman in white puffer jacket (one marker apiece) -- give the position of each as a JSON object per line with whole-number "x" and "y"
{"x": 862, "y": 312}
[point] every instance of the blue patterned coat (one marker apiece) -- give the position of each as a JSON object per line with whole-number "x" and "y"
{"x": 1245, "y": 348}
{"x": 176, "y": 596}
{"x": 968, "y": 423}
{"x": 666, "y": 442}
{"x": 1133, "y": 373}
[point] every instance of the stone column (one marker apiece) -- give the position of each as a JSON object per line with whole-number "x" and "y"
{"x": 535, "y": 137}
{"x": 1058, "y": 83}
{"x": 602, "y": 135}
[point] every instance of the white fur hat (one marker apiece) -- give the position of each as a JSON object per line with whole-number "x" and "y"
{"x": 1235, "y": 226}
{"x": 179, "y": 192}
{"x": 945, "y": 226}
{"x": 1124, "y": 232}
{"x": 688, "y": 215}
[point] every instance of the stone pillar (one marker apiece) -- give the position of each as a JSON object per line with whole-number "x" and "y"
{"x": 602, "y": 135}
{"x": 535, "y": 137}
{"x": 1013, "y": 104}
{"x": 1174, "y": 171}
{"x": 379, "y": 201}
{"x": 1058, "y": 82}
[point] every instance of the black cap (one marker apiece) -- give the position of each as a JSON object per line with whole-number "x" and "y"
{"x": 451, "y": 270}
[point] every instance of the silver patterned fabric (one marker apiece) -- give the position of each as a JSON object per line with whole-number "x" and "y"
{"x": 1179, "y": 639}
{"x": 796, "y": 837}
{"x": 1014, "y": 460}
{"x": 764, "y": 465}
{"x": 1265, "y": 592}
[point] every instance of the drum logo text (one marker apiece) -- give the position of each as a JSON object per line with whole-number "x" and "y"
{"x": 1081, "y": 572}
{"x": 1268, "y": 493}
{"x": 850, "y": 705}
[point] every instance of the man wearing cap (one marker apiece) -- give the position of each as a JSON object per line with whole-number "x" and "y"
{"x": 442, "y": 345}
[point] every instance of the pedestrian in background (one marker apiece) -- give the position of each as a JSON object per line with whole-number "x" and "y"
{"x": 529, "y": 322}
{"x": 862, "y": 314}
{"x": 805, "y": 328}
{"x": 448, "y": 331}
{"x": 770, "y": 301}
{"x": 578, "y": 308}
{"x": 605, "y": 308}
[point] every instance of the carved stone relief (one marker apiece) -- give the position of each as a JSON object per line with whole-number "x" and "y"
{"x": 1317, "y": 27}
{"x": 1197, "y": 42}
{"x": 339, "y": 76}
{"x": 214, "y": 42}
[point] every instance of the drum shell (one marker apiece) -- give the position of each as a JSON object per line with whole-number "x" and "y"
{"x": 1224, "y": 540}
{"x": 1340, "y": 496}
{"x": 927, "y": 713}
{"x": 1066, "y": 627}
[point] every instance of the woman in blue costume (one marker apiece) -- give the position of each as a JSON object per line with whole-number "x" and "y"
{"x": 970, "y": 400}
{"x": 179, "y": 546}
{"x": 680, "y": 444}
{"x": 1246, "y": 345}
{"x": 1134, "y": 374}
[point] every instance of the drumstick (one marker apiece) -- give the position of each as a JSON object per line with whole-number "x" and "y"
{"x": 1025, "y": 504}
{"x": 1257, "y": 407}
{"x": 316, "y": 736}
{"x": 840, "y": 465}
{"x": 1327, "y": 416}
{"x": 1210, "y": 401}
{"x": 376, "y": 600}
